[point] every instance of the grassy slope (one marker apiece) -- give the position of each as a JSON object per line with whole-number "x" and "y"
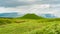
{"x": 31, "y": 26}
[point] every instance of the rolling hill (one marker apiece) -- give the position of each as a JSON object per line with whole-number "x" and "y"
{"x": 31, "y": 16}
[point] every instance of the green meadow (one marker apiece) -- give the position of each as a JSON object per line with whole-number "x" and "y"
{"x": 30, "y": 25}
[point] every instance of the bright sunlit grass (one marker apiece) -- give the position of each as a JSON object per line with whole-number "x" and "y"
{"x": 31, "y": 26}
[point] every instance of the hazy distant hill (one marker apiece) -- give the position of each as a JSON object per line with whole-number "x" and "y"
{"x": 14, "y": 14}
{"x": 31, "y": 16}
{"x": 48, "y": 15}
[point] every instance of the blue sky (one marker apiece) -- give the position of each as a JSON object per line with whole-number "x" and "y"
{"x": 31, "y": 6}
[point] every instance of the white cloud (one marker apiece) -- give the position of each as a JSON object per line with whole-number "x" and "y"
{"x": 6, "y": 10}
{"x": 26, "y": 9}
{"x": 35, "y": 8}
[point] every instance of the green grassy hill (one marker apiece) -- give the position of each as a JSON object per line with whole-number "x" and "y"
{"x": 31, "y": 16}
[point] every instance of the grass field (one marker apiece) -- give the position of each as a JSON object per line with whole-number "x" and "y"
{"x": 29, "y": 26}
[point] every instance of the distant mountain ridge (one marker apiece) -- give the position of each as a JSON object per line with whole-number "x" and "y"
{"x": 48, "y": 15}
{"x": 14, "y": 14}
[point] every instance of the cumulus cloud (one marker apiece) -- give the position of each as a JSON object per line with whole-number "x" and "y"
{"x": 28, "y": 9}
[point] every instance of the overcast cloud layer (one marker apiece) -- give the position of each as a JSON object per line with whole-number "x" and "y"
{"x": 31, "y": 6}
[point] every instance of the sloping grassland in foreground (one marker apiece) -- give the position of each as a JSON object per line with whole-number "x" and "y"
{"x": 29, "y": 26}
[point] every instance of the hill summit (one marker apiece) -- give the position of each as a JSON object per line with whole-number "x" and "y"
{"x": 31, "y": 16}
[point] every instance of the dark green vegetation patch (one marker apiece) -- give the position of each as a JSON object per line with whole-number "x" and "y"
{"x": 31, "y": 16}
